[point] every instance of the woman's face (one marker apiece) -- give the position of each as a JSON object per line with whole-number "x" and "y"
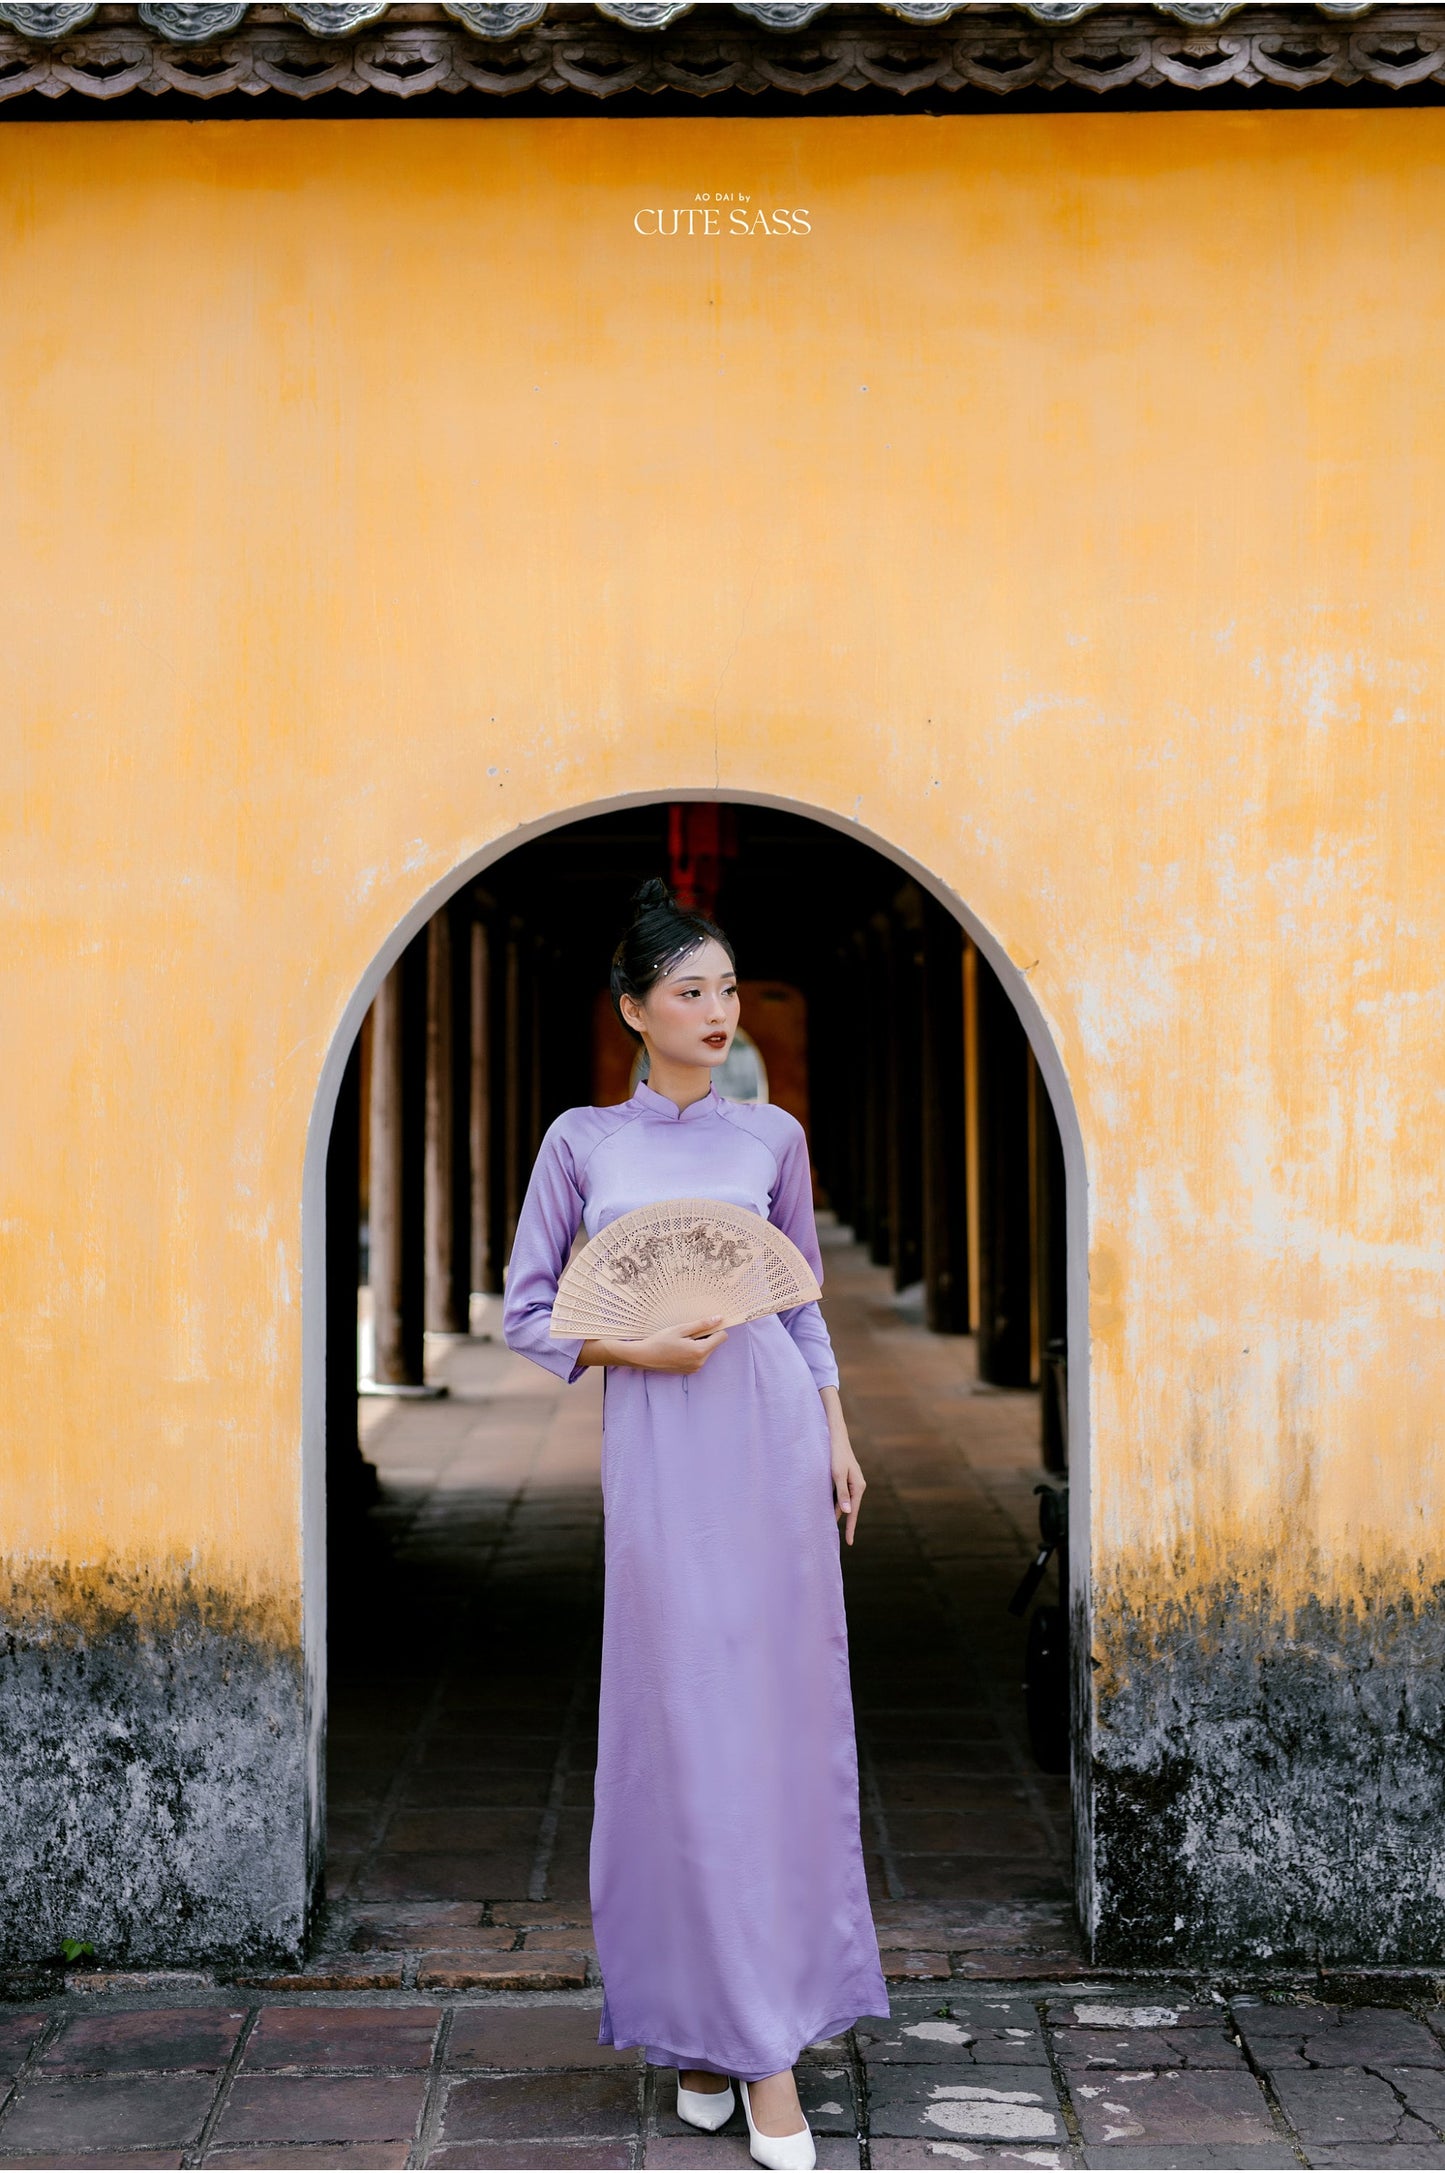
{"x": 691, "y": 1014}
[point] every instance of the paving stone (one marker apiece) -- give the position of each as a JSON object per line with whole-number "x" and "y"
{"x": 1193, "y": 2158}
{"x": 904, "y": 1963}
{"x": 1151, "y": 2012}
{"x": 1150, "y": 2106}
{"x": 1365, "y": 2157}
{"x": 939, "y": 1925}
{"x": 890, "y": 2152}
{"x": 502, "y": 1973}
{"x": 459, "y": 1939}
{"x": 402, "y": 1925}
{"x": 289, "y": 2038}
{"x": 966, "y": 2104}
{"x": 523, "y": 2037}
{"x": 1422, "y": 2088}
{"x": 502, "y": 1787}
{"x": 338, "y": 1973}
{"x": 108, "y": 2161}
{"x": 1302, "y": 2037}
{"x": 1345, "y": 2105}
{"x": 567, "y": 2104}
{"x": 300, "y": 2157}
{"x": 1087, "y": 2050}
{"x": 461, "y": 1876}
{"x": 477, "y": 1828}
{"x": 28, "y": 1980}
{"x": 826, "y": 2096}
{"x": 927, "y": 1786}
{"x": 523, "y": 2155}
{"x": 966, "y": 1833}
{"x": 158, "y": 2038}
{"x": 110, "y": 2112}
{"x": 558, "y": 1938}
{"x": 997, "y": 2033}
{"x": 322, "y": 2109}
{"x": 1017, "y": 1968}
{"x": 17, "y": 2035}
{"x": 979, "y": 1878}
{"x": 679, "y": 2153}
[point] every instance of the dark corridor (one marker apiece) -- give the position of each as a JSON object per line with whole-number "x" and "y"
{"x": 466, "y": 1524}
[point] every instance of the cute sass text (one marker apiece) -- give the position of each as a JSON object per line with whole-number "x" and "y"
{"x": 722, "y": 219}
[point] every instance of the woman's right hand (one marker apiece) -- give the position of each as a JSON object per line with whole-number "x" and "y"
{"x": 669, "y": 1350}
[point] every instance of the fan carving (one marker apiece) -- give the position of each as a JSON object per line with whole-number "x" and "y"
{"x": 677, "y": 1261}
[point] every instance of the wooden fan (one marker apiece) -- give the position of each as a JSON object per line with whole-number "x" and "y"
{"x": 676, "y": 1261}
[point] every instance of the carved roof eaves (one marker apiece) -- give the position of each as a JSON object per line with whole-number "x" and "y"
{"x": 203, "y": 49}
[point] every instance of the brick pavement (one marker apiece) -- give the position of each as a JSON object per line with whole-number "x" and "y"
{"x": 962, "y": 2074}
{"x": 447, "y": 2015}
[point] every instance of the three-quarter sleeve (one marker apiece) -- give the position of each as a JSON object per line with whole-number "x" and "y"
{"x": 791, "y": 1208}
{"x": 550, "y": 1217}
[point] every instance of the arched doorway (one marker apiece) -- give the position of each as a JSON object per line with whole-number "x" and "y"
{"x": 905, "y": 1039}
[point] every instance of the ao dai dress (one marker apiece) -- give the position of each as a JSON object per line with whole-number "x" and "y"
{"x": 729, "y": 1902}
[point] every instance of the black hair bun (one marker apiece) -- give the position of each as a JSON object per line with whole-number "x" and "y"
{"x": 661, "y": 932}
{"x": 650, "y": 895}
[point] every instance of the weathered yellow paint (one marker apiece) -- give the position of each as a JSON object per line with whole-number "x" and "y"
{"x": 1068, "y": 507}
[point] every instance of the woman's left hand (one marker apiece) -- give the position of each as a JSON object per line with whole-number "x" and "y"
{"x": 848, "y": 1479}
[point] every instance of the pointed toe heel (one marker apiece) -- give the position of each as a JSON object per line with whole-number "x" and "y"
{"x": 781, "y": 2153}
{"x": 706, "y": 2108}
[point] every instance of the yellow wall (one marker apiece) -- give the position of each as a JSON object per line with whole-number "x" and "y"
{"x": 1066, "y": 506}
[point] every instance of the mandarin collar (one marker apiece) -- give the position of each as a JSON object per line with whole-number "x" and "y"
{"x": 652, "y": 1104}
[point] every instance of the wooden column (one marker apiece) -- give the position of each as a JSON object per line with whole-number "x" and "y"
{"x": 1050, "y": 1274}
{"x": 398, "y": 1169}
{"x": 971, "y": 965}
{"x": 533, "y": 967}
{"x": 842, "y": 1077}
{"x": 448, "y": 1121}
{"x": 350, "y": 1479}
{"x": 879, "y": 1092}
{"x": 498, "y": 979}
{"x": 517, "y": 1049}
{"x": 479, "y": 1102}
{"x": 905, "y": 1087}
{"x": 1005, "y": 1231}
{"x": 833, "y": 1089}
{"x": 945, "y": 1181}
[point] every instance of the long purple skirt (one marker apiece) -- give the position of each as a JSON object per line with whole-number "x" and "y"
{"x": 729, "y": 1902}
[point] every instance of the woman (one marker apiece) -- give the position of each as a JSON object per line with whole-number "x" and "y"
{"x": 729, "y": 1902}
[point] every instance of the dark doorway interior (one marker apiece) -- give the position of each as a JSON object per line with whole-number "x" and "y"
{"x": 466, "y": 1527}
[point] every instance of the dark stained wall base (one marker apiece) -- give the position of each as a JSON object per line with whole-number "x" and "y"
{"x": 1270, "y": 1788}
{"x": 152, "y": 1778}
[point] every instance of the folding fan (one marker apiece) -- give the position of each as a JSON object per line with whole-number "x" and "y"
{"x": 676, "y": 1261}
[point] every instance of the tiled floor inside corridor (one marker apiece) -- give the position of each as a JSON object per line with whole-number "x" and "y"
{"x": 464, "y": 1663}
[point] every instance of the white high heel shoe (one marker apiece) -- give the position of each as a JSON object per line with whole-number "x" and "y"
{"x": 783, "y": 2153}
{"x": 705, "y": 2108}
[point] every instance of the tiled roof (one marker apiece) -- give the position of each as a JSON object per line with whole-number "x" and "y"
{"x": 191, "y": 21}
{"x": 696, "y": 50}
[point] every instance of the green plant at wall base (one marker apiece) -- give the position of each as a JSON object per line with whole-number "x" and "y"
{"x": 73, "y": 1949}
